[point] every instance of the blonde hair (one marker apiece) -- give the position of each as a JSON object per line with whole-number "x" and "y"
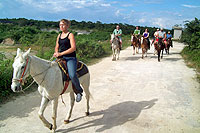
{"x": 65, "y": 21}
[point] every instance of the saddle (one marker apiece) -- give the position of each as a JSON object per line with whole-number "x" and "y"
{"x": 81, "y": 70}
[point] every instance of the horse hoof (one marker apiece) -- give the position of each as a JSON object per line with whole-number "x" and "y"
{"x": 51, "y": 127}
{"x": 66, "y": 121}
{"x": 87, "y": 113}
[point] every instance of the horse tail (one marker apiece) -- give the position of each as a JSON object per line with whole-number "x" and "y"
{"x": 86, "y": 87}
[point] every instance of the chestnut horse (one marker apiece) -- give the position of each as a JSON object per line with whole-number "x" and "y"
{"x": 167, "y": 45}
{"x": 135, "y": 43}
{"x": 159, "y": 46}
{"x": 144, "y": 46}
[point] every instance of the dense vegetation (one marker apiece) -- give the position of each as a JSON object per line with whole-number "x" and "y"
{"x": 191, "y": 36}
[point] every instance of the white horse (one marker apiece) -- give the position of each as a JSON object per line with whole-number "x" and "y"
{"x": 115, "y": 47}
{"x": 48, "y": 76}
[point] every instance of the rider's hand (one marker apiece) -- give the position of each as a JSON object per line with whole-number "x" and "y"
{"x": 56, "y": 54}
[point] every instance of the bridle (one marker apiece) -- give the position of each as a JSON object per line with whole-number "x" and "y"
{"x": 23, "y": 73}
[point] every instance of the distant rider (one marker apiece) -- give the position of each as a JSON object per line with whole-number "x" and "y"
{"x": 162, "y": 36}
{"x": 118, "y": 33}
{"x": 169, "y": 36}
{"x": 146, "y": 36}
{"x": 155, "y": 36}
{"x": 137, "y": 34}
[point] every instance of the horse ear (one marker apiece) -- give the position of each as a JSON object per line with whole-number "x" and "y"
{"x": 18, "y": 51}
{"x": 27, "y": 52}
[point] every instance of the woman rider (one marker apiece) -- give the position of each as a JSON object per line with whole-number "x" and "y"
{"x": 66, "y": 49}
{"x": 146, "y": 35}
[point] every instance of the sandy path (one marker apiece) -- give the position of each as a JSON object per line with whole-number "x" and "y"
{"x": 132, "y": 95}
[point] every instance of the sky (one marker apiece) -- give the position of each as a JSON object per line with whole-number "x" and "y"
{"x": 151, "y": 13}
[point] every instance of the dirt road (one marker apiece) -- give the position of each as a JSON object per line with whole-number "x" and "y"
{"x": 132, "y": 95}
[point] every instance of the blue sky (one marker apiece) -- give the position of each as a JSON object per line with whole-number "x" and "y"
{"x": 153, "y": 13}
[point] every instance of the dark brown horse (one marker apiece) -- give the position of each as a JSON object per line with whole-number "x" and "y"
{"x": 135, "y": 43}
{"x": 144, "y": 46}
{"x": 167, "y": 45}
{"x": 159, "y": 46}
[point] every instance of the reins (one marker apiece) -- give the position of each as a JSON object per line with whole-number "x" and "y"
{"x": 20, "y": 80}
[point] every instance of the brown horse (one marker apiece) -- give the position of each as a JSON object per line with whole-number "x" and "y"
{"x": 167, "y": 45}
{"x": 135, "y": 43}
{"x": 159, "y": 46}
{"x": 144, "y": 46}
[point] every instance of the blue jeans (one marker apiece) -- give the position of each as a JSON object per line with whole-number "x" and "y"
{"x": 72, "y": 66}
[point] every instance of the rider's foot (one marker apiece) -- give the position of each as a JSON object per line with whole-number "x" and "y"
{"x": 78, "y": 97}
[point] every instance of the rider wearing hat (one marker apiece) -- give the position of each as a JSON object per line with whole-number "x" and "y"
{"x": 162, "y": 35}
{"x": 169, "y": 36}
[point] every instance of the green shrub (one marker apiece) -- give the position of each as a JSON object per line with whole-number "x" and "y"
{"x": 5, "y": 76}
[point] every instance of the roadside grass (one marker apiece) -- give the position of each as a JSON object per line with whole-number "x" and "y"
{"x": 108, "y": 51}
{"x": 192, "y": 58}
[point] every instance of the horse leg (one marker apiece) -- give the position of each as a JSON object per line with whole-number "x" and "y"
{"x": 165, "y": 48}
{"x": 54, "y": 105}
{"x": 162, "y": 54}
{"x": 133, "y": 50}
{"x": 146, "y": 52}
{"x": 137, "y": 49}
{"x": 118, "y": 51}
{"x": 85, "y": 85}
{"x": 72, "y": 100}
{"x": 159, "y": 55}
{"x": 142, "y": 53}
{"x": 168, "y": 49}
{"x": 115, "y": 54}
{"x": 155, "y": 51}
{"x": 43, "y": 106}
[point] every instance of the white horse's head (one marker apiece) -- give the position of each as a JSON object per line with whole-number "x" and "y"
{"x": 20, "y": 69}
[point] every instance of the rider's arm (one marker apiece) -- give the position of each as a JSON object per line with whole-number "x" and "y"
{"x": 147, "y": 35}
{"x": 57, "y": 45}
{"x": 120, "y": 33}
{"x": 114, "y": 31}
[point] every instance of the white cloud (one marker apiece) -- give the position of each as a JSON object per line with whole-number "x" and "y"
{"x": 190, "y": 6}
{"x": 106, "y": 5}
{"x": 63, "y": 5}
{"x": 117, "y": 13}
{"x": 142, "y": 20}
{"x": 160, "y": 22}
{"x": 127, "y": 5}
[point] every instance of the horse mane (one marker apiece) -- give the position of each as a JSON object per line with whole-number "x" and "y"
{"x": 43, "y": 61}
